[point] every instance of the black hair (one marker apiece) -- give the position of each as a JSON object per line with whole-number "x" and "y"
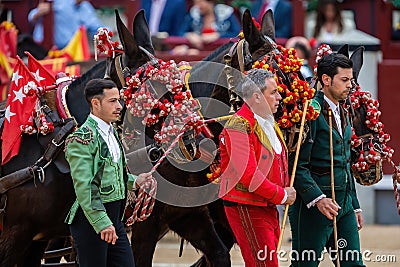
{"x": 303, "y": 48}
{"x": 330, "y": 63}
{"x": 95, "y": 88}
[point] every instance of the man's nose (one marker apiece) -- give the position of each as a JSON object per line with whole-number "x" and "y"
{"x": 119, "y": 105}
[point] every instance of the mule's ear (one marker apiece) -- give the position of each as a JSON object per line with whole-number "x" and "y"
{"x": 268, "y": 24}
{"x": 358, "y": 59}
{"x": 344, "y": 50}
{"x": 141, "y": 32}
{"x": 251, "y": 34}
{"x": 130, "y": 46}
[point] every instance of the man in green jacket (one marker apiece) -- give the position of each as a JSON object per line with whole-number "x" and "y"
{"x": 311, "y": 216}
{"x": 98, "y": 169}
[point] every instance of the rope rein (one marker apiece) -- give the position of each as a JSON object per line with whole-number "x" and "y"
{"x": 147, "y": 191}
{"x": 145, "y": 202}
{"x": 395, "y": 185}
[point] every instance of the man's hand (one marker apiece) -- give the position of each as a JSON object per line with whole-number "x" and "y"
{"x": 359, "y": 220}
{"x": 328, "y": 207}
{"x": 43, "y": 9}
{"x": 210, "y": 37}
{"x": 109, "y": 235}
{"x": 142, "y": 178}
{"x": 194, "y": 39}
{"x": 291, "y": 195}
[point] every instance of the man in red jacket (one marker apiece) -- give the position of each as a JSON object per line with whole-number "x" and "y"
{"x": 255, "y": 170}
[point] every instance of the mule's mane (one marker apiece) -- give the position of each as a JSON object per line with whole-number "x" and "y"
{"x": 87, "y": 76}
{"x": 200, "y": 87}
{"x": 214, "y": 55}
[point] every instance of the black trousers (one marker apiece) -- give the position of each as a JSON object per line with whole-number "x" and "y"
{"x": 94, "y": 252}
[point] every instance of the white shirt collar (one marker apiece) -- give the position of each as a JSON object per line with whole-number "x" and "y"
{"x": 336, "y": 114}
{"x": 268, "y": 126}
{"x": 106, "y": 131}
{"x": 262, "y": 121}
{"x": 335, "y": 108}
{"x": 102, "y": 125}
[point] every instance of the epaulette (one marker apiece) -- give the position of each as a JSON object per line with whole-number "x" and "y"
{"x": 83, "y": 135}
{"x": 315, "y": 104}
{"x": 238, "y": 123}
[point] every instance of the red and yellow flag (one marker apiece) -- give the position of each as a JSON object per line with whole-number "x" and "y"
{"x": 76, "y": 50}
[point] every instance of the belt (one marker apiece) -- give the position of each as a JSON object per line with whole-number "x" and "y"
{"x": 229, "y": 203}
{"x": 320, "y": 170}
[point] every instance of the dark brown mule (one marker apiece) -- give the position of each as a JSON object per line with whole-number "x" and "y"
{"x": 194, "y": 223}
{"x": 35, "y": 210}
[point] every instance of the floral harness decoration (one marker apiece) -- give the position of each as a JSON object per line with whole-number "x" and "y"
{"x": 181, "y": 109}
{"x": 294, "y": 93}
{"x": 141, "y": 101}
{"x": 38, "y": 117}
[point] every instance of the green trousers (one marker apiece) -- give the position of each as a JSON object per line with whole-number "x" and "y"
{"x": 312, "y": 232}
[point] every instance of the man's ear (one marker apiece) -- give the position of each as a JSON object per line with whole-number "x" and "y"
{"x": 326, "y": 80}
{"x": 256, "y": 96}
{"x": 95, "y": 102}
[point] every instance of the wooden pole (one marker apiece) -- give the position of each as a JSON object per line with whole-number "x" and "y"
{"x": 333, "y": 187}
{"x": 303, "y": 120}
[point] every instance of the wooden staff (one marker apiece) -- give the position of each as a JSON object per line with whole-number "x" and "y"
{"x": 303, "y": 120}
{"x": 333, "y": 186}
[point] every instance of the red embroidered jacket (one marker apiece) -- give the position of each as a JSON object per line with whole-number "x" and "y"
{"x": 252, "y": 173}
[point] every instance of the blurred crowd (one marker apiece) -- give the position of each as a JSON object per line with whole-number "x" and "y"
{"x": 197, "y": 23}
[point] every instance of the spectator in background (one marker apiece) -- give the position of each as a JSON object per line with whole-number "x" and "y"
{"x": 208, "y": 21}
{"x": 303, "y": 51}
{"x": 69, "y": 15}
{"x": 164, "y": 15}
{"x": 328, "y": 21}
{"x": 282, "y": 10}
{"x": 5, "y": 14}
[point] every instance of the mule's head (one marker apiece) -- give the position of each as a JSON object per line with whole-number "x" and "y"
{"x": 368, "y": 144}
{"x": 259, "y": 40}
{"x": 157, "y": 102}
{"x": 138, "y": 49}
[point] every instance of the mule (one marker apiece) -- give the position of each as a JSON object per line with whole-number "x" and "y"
{"x": 35, "y": 211}
{"x": 193, "y": 223}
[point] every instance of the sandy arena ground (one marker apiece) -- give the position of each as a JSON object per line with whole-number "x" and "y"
{"x": 380, "y": 244}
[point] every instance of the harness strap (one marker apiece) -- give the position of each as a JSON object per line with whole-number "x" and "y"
{"x": 19, "y": 177}
{"x": 16, "y": 178}
{"x": 55, "y": 145}
{"x": 118, "y": 66}
{"x": 50, "y": 114}
{"x": 232, "y": 49}
{"x": 240, "y": 47}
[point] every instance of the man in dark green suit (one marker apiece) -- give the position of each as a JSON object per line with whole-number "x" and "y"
{"x": 311, "y": 216}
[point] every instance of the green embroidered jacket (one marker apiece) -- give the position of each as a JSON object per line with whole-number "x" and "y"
{"x": 96, "y": 178}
